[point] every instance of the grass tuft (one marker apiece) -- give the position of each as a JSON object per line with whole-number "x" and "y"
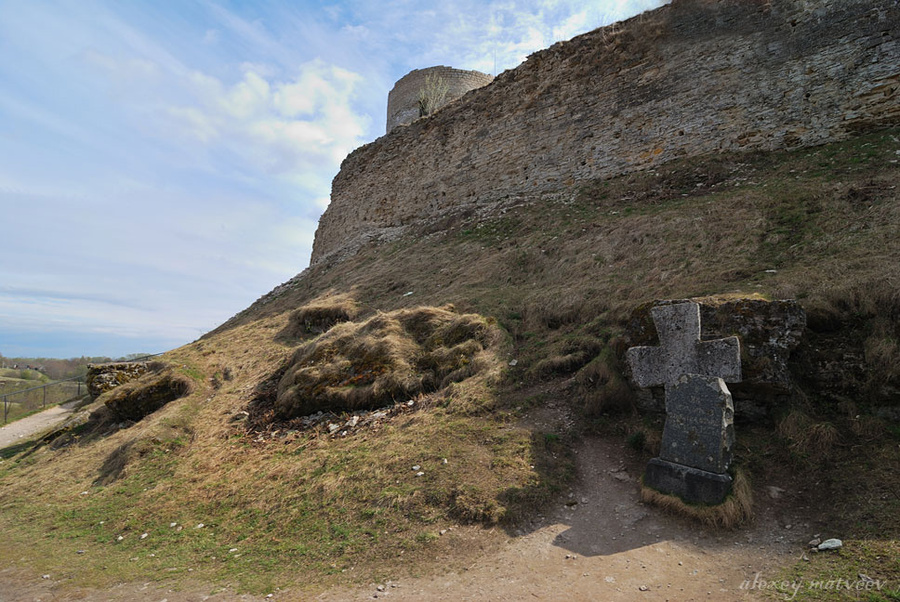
{"x": 388, "y": 358}
{"x": 320, "y": 315}
{"x": 736, "y": 510}
{"x": 808, "y": 440}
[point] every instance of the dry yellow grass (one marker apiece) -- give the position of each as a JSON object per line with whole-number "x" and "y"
{"x": 388, "y": 358}
{"x": 736, "y": 510}
{"x": 808, "y": 439}
{"x": 320, "y": 314}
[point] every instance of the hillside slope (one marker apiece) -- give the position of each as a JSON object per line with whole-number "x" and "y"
{"x": 446, "y": 378}
{"x": 302, "y": 504}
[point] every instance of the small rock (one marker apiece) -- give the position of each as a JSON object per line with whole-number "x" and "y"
{"x": 444, "y": 461}
{"x": 46, "y": 576}
{"x": 513, "y": 362}
{"x": 417, "y": 467}
{"x": 144, "y": 535}
{"x": 830, "y": 544}
{"x": 85, "y": 493}
{"x": 644, "y": 588}
{"x": 775, "y": 492}
{"x": 332, "y": 427}
{"x": 80, "y": 552}
{"x": 814, "y": 543}
{"x": 173, "y": 525}
{"x": 200, "y": 526}
{"x": 120, "y": 538}
{"x": 420, "y": 473}
{"x": 380, "y": 588}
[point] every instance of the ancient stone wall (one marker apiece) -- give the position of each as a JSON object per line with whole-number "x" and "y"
{"x": 403, "y": 99}
{"x": 104, "y": 377}
{"x": 693, "y": 77}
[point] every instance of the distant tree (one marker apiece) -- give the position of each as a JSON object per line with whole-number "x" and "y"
{"x": 433, "y": 95}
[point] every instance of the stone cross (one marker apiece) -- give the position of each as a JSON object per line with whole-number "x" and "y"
{"x": 681, "y": 351}
{"x": 698, "y": 435}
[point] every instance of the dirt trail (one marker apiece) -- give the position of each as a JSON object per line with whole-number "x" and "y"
{"x": 604, "y": 546}
{"x": 20, "y": 430}
{"x": 608, "y": 546}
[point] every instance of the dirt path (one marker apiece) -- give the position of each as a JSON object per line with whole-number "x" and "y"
{"x": 608, "y": 546}
{"x": 19, "y": 430}
{"x": 600, "y": 544}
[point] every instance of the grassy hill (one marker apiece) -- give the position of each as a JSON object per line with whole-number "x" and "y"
{"x": 219, "y": 486}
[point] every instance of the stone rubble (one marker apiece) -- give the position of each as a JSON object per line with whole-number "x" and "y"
{"x": 332, "y": 424}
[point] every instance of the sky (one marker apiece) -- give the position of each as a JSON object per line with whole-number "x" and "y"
{"x": 164, "y": 163}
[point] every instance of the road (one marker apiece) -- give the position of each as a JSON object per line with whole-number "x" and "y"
{"x": 20, "y": 430}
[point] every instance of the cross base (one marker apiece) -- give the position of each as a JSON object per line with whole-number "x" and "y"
{"x": 692, "y": 485}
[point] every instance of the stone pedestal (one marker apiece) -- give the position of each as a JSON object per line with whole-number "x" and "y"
{"x": 692, "y": 485}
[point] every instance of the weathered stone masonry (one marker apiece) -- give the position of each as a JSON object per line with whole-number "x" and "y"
{"x": 403, "y": 99}
{"x": 694, "y": 77}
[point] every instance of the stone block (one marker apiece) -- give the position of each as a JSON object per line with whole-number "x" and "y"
{"x": 692, "y": 485}
{"x": 699, "y": 430}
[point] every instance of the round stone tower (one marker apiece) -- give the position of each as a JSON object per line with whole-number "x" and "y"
{"x": 403, "y": 100}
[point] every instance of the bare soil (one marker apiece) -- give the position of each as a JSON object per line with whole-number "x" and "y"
{"x": 21, "y": 430}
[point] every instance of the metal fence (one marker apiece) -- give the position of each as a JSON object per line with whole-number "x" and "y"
{"x": 25, "y": 401}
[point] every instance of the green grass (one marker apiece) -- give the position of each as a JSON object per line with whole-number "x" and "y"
{"x": 21, "y": 405}
{"x": 300, "y": 505}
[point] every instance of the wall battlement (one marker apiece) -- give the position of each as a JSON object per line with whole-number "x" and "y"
{"x": 403, "y": 99}
{"x": 690, "y": 78}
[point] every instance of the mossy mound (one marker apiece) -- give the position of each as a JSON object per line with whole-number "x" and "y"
{"x": 388, "y": 358}
{"x": 320, "y": 315}
{"x": 138, "y": 398}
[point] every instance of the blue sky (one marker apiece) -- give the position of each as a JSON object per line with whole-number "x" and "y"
{"x": 164, "y": 163}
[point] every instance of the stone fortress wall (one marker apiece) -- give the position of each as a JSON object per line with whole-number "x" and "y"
{"x": 693, "y": 77}
{"x": 403, "y": 99}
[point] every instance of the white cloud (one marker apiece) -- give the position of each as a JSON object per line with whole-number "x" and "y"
{"x": 178, "y": 156}
{"x": 275, "y": 126}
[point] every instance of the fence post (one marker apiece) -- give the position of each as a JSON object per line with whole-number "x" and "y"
{"x": 44, "y": 403}
{"x": 5, "y": 407}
